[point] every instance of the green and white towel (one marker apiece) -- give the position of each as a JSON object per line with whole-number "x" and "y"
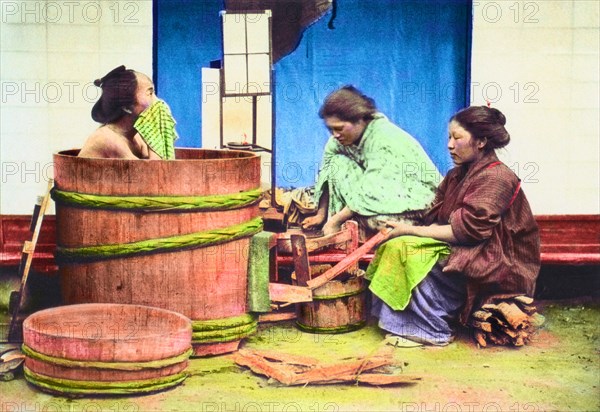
{"x": 157, "y": 127}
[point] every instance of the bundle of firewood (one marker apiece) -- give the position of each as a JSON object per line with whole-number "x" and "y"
{"x": 377, "y": 370}
{"x": 506, "y": 322}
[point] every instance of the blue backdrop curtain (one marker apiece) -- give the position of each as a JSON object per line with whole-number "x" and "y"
{"x": 412, "y": 57}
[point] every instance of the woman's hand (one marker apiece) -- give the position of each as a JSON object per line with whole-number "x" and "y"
{"x": 399, "y": 228}
{"x": 439, "y": 232}
{"x": 313, "y": 221}
{"x": 331, "y": 227}
{"x": 335, "y": 222}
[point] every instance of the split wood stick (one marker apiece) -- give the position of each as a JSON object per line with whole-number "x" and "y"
{"x": 283, "y": 373}
{"x": 519, "y": 341}
{"x": 341, "y": 369}
{"x": 484, "y": 326}
{"x": 300, "y": 255}
{"x": 481, "y": 315}
{"x": 294, "y": 375}
{"x": 512, "y": 333}
{"x": 276, "y": 317}
{"x": 498, "y": 321}
{"x": 499, "y": 339}
{"x": 284, "y": 242}
{"x": 281, "y": 292}
{"x": 333, "y": 240}
{"x": 526, "y": 300}
{"x": 513, "y": 315}
{"x": 480, "y": 338}
{"x": 525, "y": 303}
{"x": 523, "y": 334}
{"x": 349, "y": 260}
{"x": 301, "y": 370}
{"x": 374, "y": 379}
{"x": 27, "y": 258}
{"x": 282, "y": 357}
{"x": 528, "y": 309}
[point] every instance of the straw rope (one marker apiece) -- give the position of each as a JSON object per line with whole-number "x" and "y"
{"x": 79, "y": 387}
{"x": 224, "y": 330}
{"x": 158, "y": 203}
{"x": 161, "y": 245}
{"x": 123, "y": 366}
{"x": 341, "y": 295}
{"x": 228, "y": 335}
{"x": 224, "y": 323}
{"x": 336, "y": 329}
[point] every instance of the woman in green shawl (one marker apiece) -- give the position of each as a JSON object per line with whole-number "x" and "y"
{"x": 371, "y": 168}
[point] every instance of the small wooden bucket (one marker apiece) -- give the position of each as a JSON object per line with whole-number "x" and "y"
{"x": 106, "y": 349}
{"x": 339, "y": 306}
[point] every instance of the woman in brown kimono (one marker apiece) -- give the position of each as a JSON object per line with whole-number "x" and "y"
{"x": 482, "y": 213}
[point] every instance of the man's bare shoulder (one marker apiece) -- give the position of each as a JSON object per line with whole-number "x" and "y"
{"x": 104, "y": 144}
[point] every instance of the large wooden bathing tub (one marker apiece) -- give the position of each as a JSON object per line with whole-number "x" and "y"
{"x": 167, "y": 233}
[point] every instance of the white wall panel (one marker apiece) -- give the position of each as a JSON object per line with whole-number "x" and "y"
{"x": 50, "y": 54}
{"x": 543, "y": 59}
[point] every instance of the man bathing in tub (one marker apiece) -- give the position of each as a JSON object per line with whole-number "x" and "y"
{"x": 135, "y": 123}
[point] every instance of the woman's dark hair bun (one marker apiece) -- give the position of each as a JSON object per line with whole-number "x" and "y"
{"x": 498, "y": 116}
{"x": 484, "y": 123}
{"x": 348, "y": 104}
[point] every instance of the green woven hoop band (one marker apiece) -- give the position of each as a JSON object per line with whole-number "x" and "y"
{"x": 158, "y": 203}
{"x": 223, "y": 330}
{"x": 78, "y": 387}
{"x": 337, "y": 329}
{"x": 122, "y": 366}
{"x": 341, "y": 295}
{"x": 169, "y": 244}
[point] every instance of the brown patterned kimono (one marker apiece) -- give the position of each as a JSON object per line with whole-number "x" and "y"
{"x": 498, "y": 248}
